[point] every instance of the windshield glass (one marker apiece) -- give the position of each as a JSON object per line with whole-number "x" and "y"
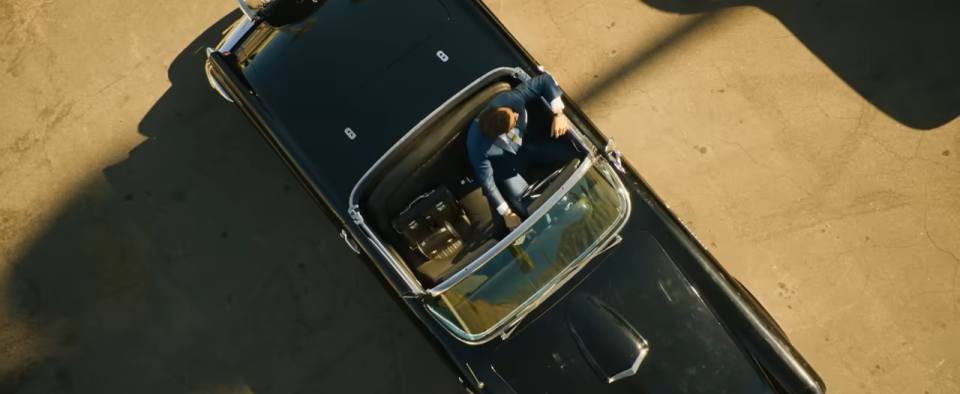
{"x": 538, "y": 259}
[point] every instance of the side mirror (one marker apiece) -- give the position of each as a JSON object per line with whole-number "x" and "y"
{"x": 613, "y": 155}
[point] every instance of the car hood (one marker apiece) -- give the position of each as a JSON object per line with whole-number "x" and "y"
{"x": 633, "y": 301}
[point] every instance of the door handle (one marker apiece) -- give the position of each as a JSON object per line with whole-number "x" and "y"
{"x": 350, "y": 242}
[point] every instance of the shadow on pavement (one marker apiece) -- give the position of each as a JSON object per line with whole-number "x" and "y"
{"x": 643, "y": 58}
{"x": 203, "y": 266}
{"x": 903, "y": 56}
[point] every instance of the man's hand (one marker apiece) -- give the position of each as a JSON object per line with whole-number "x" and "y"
{"x": 560, "y": 125}
{"x": 512, "y": 220}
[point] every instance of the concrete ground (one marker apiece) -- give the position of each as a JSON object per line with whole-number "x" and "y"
{"x": 812, "y": 146}
{"x": 150, "y": 241}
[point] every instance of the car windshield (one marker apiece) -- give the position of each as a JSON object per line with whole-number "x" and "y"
{"x": 541, "y": 257}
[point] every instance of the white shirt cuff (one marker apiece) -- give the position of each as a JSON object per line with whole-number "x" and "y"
{"x": 556, "y": 104}
{"x": 503, "y": 209}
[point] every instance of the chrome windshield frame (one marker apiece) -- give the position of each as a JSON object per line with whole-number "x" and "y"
{"x": 515, "y": 234}
{"x": 599, "y": 246}
{"x": 237, "y": 31}
{"x": 414, "y": 285}
{"x": 409, "y": 279}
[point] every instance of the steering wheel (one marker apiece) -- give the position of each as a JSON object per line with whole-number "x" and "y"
{"x": 533, "y": 191}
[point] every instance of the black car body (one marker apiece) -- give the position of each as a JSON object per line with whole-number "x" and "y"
{"x": 366, "y": 101}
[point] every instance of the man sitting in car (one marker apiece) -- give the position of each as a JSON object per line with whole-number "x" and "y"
{"x": 497, "y": 150}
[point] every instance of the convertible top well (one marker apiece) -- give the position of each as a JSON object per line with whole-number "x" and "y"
{"x": 432, "y": 155}
{"x": 428, "y": 167}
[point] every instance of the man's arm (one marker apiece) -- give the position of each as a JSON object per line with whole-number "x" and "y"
{"x": 485, "y": 173}
{"x": 542, "y": 85}
{"x": 477, "y": 152}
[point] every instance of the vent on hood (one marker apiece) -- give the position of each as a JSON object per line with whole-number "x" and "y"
{"x": 611, "y": 345}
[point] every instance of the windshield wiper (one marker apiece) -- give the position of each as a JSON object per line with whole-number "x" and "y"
{"x": 513, "y": 326}
{"x": 614, "y": 242}
{"x": 616, "y": 239}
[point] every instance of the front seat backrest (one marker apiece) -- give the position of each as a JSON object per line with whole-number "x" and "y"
{"x": 435, "y": 139}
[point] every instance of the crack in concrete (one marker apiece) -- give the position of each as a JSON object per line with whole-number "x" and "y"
{"x": 755, "y": 161}
{"x": 575, "y": 10}
{"x": 836, "y": 259}
{"x": 114, "y": 82}
{"x": 89, "y": 97}
{"x": 821, "y": 319}
{"x": 719, "y": 72}
{"x": 859, "y": 131}
{"x": 26, "y": 33}
{"x": 827, "y": 114}
{"x": 953, "y": 288}
{"x": 681, "y": 32}
{"x": 883, "y": 146}
{"x": 904, "y": 159}
{"x": 867, "y": 275}
{"x": 945, "y": 167}
{"x": 644, "y": 92}
{"x": 916, "y": 151}
{"x": 54, "y": 116}
{"x": 956, "y": 265}
{"x": 566, "y": 42}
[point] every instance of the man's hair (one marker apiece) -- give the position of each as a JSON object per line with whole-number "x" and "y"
{"x": 494, "y": 122}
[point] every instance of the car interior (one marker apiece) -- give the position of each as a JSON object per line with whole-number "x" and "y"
{"x": 427, "y": 205}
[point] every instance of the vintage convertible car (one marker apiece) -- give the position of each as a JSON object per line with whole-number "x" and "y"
{"x": 600, "y": 289}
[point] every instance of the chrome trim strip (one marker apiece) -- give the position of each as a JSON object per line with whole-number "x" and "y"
{"x": 509, "y": 239}
{"x": 401, "y": 268}
{"x": 614, "y": 155}
{"x": 479, "y": 383}
{"x": 643, "y": 348}
{"x": 613, "y": 241}
{"x": 717, "y": 275}
{"x": 213, "y": 82}
{"x": 247, "y": 11}
{"x": 226, "y": 46}
{"x": 510, "y": 328}
{"x": 780, "y": 345}
{"x": 578, "y": 135}
{"x": 230, "y": 42}
{"x": 502, "y": 379}
{"x": 626, "y": 206}
{"x": 351, "y": 243}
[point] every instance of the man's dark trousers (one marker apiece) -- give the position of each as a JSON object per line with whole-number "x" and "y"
{"x": 509, "y": 170}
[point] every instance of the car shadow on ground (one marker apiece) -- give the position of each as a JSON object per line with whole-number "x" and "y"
{"x": 902, "y": 56}
{"x": 201, "y": 265}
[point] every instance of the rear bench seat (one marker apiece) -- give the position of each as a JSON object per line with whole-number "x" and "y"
{"x": 446, "y": 163}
